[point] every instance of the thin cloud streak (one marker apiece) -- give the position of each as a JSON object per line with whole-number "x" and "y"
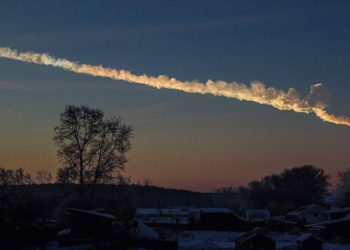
{"x": 255, "y": 92}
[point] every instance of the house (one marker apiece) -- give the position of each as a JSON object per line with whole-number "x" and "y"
{"x": 180, "y": 218}
{"x": 257, "y": 215}
{"x": 90, "y": 224}
{"x": 153, "y": 212}
{"x": 87, "y": 227}
{"x": 308, "y": 241}
{"x": 203, "y": 239}
{"x": 337, "y": 213}
{"x": 285, "y": 241}
{"x": 177, "y": 212}
{"x": 140, "y": 230}
{"x": 144, "y": 237}
{"x": 100, "y": 230}
{"x": 222, "y": 219}
{"x": 308, "y": 214}
{"x": 256, "y": 239}
{"x": 168, "y": 216}
{"x": 333, "y": 228}
{"x": 279, "y": 223}
{"x": 217, "y": 210}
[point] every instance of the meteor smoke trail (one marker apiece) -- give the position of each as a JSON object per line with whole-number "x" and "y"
{"x": 256, "y": 92}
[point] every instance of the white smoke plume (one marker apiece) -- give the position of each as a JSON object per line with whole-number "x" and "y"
{"x": 257, "y": 92}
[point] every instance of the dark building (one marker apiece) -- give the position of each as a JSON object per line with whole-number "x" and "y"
{"x": 90, "y": 224}
{"x": 338, "y": 213}
{"x": 334, "y": 228}
{"x": 99, "y": 231}
{"x": 221, "y": 220}
{"x": 256, "y": 239}
{"x": 309, "y": 214}
{"x": 308, "y": 241}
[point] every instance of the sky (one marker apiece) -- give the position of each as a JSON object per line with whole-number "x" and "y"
{"x": 182, "y": 140}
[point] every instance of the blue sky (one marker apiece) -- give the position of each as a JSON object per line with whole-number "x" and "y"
{"x": 181, "y": 140}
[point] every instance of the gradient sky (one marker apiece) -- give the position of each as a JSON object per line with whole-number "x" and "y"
{"x": 190, "y": 141}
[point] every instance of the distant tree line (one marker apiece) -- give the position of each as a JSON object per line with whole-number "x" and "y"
{"x": 288, "y": 190}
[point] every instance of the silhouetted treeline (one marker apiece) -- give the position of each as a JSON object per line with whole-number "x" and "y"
{"x": 279, "y": 192}
{"x": 144, "y": 195}
{"x": 288, "y": 190}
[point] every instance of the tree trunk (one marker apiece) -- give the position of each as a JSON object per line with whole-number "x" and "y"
{"x": 81, "y": 177}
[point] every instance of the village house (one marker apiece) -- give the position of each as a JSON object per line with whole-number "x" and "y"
{"x": 222, "y": 219}
{"x": 257, "y": 215}
{"x": 337, "y": 213}
{"x": 101, "y": 230}
{"x": 256, "y": 239}
{"x": 334, "y": 228}
{"x": 308, "y": 241}
{"x": 308, "y": 214}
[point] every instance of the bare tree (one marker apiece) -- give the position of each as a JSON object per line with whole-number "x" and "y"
{"x": 91, "y": 147}
{"x": 16, "y": 202}
{"x": 147, "y": 182}
{"x": 9, "y": 177}
{"x": 341, "y": 194}
{"x": 43, "y": 177}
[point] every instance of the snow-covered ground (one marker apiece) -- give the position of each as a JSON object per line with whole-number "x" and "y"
{"x": 335, "y": 246}
{"x": 166, "y": 220}
{"x": 54, "y": 246}
{"x": 226, "y": 240}
{"x": 207, "y": 240}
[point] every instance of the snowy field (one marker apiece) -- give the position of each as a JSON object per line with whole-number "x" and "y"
{"x": 207, "y": 240}
{"x": 225, "y": 240}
